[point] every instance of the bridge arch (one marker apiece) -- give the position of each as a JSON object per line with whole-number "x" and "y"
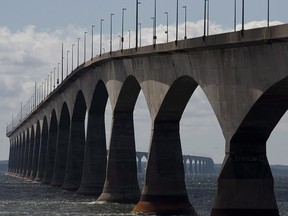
{"x": 76, "y": 147}
{"x": 36, "y": 151}
{"x": 62, "y": 147}
{"x": 121, "y": 184}
{"x": 42, "y": 150}
{"x": 95, "y": 160}
{"x": 51, "y": 149}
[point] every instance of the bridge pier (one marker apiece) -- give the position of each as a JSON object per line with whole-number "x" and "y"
{"x": 121, "y": 184}
{"x": 245, "y": 184}
{"x": 95, "y": 160}
{"x": 164, "y": 189}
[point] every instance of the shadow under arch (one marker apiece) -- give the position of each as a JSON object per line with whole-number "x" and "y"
{"x": 121, "y": 184}
{"x": 30, "y": 148}
{"x": 51, "y": 149}
{"x": 62, "y": 147}
{"x": 42, "y": 150}
{"x": 75, "y": 157}
{"x": 164, "y": 188}
{"x": 36, "y": 151}
{"x": 246, "y": 164}
{"x": 95, "y": 159}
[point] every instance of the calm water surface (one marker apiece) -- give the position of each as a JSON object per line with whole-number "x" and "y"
{"x": 22, "y": 197}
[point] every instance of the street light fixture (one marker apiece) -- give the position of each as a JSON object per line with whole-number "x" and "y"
{"x": 67, "y": 62}
{"x": 166, "y": 32}
{"x": 185, "y": 14}
{"x": 78, "y": 44}
{"x": 129, "y": 37}
{"x": 72, "y": 60}
{"x": 62, "y": 66}
{"x": 93, "y": 26}
{"x": 85, "y": 34}
{"x": 137, "y": 23}
{"x": 54, "y": 77}
{"x": 243, "y": 6}
{"x": 268, "y": 13}
{"x": 177, "y": 8}
{"x": 235, "y": 14}
{"x": 111, "y": 31}
{"x": 122, "y": 38}
{"x": 58, "y": 73}
{"x": 101, "y": 23}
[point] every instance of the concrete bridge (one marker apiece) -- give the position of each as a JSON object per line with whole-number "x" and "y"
{"x": 245, "y": 78}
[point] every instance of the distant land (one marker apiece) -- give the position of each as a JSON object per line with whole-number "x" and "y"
{"x": 277, "y": 170}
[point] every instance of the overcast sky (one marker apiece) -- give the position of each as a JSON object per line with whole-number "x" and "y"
{"x": 31, "y": 33}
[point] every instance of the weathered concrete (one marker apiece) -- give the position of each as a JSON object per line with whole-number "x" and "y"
{"x": 244, "y": 77}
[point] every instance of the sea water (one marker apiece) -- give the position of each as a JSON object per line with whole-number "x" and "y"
{"x": 23, "y": 197}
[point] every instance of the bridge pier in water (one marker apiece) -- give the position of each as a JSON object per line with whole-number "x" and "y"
{"x": 164, "y": 188}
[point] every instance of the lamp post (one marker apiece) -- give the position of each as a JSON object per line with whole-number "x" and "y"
{"x": 153, "y": 18}
{"x": 54, "y": 77}
{"x": 58, "y": 73}
{"x": 101, "y": 23}
{"x": 208, "y": 14}
{"x": 235, "y": 14}
{"x": 185, "y": 15}
{"x": 129, "y": 37}
{"x": 166, "y": 32}
{"x": 67, "y": 62}
{"x": 85, "y": 34}
{"x": 78, "y": 51}
{"x": 140, "y": 34}
{"x": 205, "y": 16}
{"x": 154, "y": 23}
{"x": 51, "y": 82}
{"x": 177, "y": 20}
{"x": 122, "y": 38}
{"x": 62, "y": 66}
{"x": 72, "y": 60}
{"x": 91, "y": 44}
{"x": 268, "y": 13}
{"x": 243, "y": 6}
{"x": 137, "y": 23}
{"x": 111, "y": 30}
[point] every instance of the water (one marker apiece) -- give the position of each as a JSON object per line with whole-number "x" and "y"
{"x": 23, "y": 197}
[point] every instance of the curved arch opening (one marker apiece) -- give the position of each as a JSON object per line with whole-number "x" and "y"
{"x": 36, "y": 151}
{"x": 76, "y": 147}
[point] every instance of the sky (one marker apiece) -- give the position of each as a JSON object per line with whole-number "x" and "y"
{"x": 31, "y": 33}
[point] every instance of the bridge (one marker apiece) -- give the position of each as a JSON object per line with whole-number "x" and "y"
{"x": 243, "y": 74}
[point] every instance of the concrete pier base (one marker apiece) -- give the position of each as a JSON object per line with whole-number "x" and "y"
{"x": 121, "y": 183}
{"x": 245, "y": 187}
{"x": 164, "y": 189}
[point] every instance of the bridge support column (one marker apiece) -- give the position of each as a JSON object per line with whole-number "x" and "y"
{"x": 164, "y": 190}
{"x": 245, "y": 185}
{"x": 95, "y": 160}
{"x": 42, "y": 155}
{"x": 139, "y": 165}
{"x": 121, "y": 183}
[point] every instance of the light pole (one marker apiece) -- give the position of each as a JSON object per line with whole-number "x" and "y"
{"x": 122, "y": 38}
{"x": 58, "y": 73}
{"x": 235, "y": 14}
{"x": 268, "y": 13}
{"x": 140, "y": 33}
{"x": 129, "y": 37}
{"x": 153, "y": 20}
{"x": 166, "y": 32}
{"x": 73, "y": 57}
{"x": 62, "y": 66}
{"x": 154, "y": 24}
{"x": 137, "y": 23}
{"x": 85, "y": 34}
{"x": 51, "y": 81}
{"x": 78, "y": 51}
{"x": 54, "y": 77}
{"x": 91, "y": 44}
{"x": 177, "y": 20}
{"x": 101, "y": 23}
{"x": 185, "y": 15}
{"x": 208, "y": 14}
{"x": 111, "y": 30}
{"x": 205, "y": 16}
{"x": 67, "y": 62}
{"x": 243, "y": 16}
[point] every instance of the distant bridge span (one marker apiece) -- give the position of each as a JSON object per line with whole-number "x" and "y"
{"x": 245, "y": 78}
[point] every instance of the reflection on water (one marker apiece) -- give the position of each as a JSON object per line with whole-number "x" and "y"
{"x": 22, "y": 197}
